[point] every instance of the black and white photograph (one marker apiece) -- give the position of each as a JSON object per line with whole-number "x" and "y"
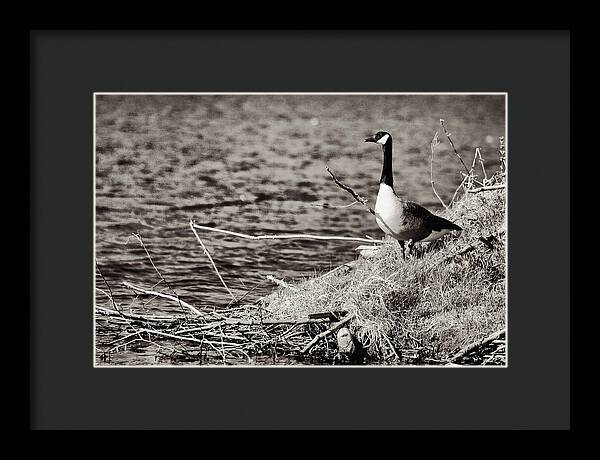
{"x": 300, "y": 229}
{"x": 306, "y": 230}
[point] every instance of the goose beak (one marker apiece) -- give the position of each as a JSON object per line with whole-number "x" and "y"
{"x": 370, "y": 139}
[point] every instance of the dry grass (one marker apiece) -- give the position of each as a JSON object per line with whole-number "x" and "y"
{"x": 426, "y": 308}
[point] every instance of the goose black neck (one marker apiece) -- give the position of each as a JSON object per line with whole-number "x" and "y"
{"x": 387, "y": 175}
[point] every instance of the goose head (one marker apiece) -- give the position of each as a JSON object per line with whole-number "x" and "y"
{"x": 381, "y": 137}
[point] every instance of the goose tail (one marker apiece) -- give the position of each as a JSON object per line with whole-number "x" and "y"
{"x": 444, "y": 224}
{"x": 453, "y": 226}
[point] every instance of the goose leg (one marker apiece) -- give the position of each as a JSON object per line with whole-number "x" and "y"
{"x": 410, "y": 245}
{"x": 401, "y": 242}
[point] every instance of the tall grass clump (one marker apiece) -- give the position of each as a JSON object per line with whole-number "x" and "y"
{"x": 444, "y": 296}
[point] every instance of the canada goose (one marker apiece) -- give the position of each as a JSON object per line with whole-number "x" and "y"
{"x": 403, "y": 220}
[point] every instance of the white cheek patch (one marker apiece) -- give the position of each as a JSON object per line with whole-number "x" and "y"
{"x": 384, "y": 139}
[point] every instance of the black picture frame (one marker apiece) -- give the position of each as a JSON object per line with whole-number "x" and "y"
{"x": 66, "y": 68}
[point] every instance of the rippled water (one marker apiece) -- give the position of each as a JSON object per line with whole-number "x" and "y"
{"x": 256, "y": 164}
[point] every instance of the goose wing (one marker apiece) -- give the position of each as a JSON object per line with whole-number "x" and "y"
{"x": 431, "y": 221}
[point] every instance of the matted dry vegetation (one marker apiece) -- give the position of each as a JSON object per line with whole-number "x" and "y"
{"x": 425, "y": 308}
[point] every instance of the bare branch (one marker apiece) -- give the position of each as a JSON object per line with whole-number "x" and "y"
{"x": 469, "y": 348}
{"x": 434, "y": 143}
{"x": 358, "y": 198}
{"x": 478, "y": 155}
{"x": 157, "y": 319}
{"x": 164, "y": 296}
{"x": 180, "y": 337}
{"x": 452, "y": 144}
{"x": 461, "y": 185}
{"x": 330, "y": 206}
{"x": 292, "y": 236}
{"x": 488, "y": 187}
{"x": 211, "y": 260}
{"x": 252, "y": 322}
{"x": 329, "y": 331}
{"x": 162, "y": 278}
{"x": 110, "y": 295}
{"x": 348, "y": 189}
{"x": 502, "y": 152}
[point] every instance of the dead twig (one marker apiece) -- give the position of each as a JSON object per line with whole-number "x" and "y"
{"x": 330, "y": 206}
{"x": 348, "y": 189}
{"x": 434, "y": 143}
{"x": 502, "y": 152}
{"x": 110, "y": 294}
{"x": 247, "y": 293}
{"x": 473, "y": 346}
{"x": 461, "y": 185}
{"x": 162, "y": 278}
{"x": 293, "y": 236}
{"x": 389, "y": 342}
{"x": 164, "y": 296}
{"x": 470, "y": 179}
{"x": 192, "y": 225}
{"x": 108, "y": 312}
{"x": 359, "y": 199}
{"x": 189, "y": 339}
{"x": 478, "y": 155}
{"x": 253, "y": 322}
{"x": 324, "y": 334}
{"x": 119, "y": 311}
{"x": 448, "y": 136}
{"x": 486, "y": 188}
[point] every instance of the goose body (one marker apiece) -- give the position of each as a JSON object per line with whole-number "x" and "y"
{"x": 406, "y": 220}
{"x": 401, "y": 219}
